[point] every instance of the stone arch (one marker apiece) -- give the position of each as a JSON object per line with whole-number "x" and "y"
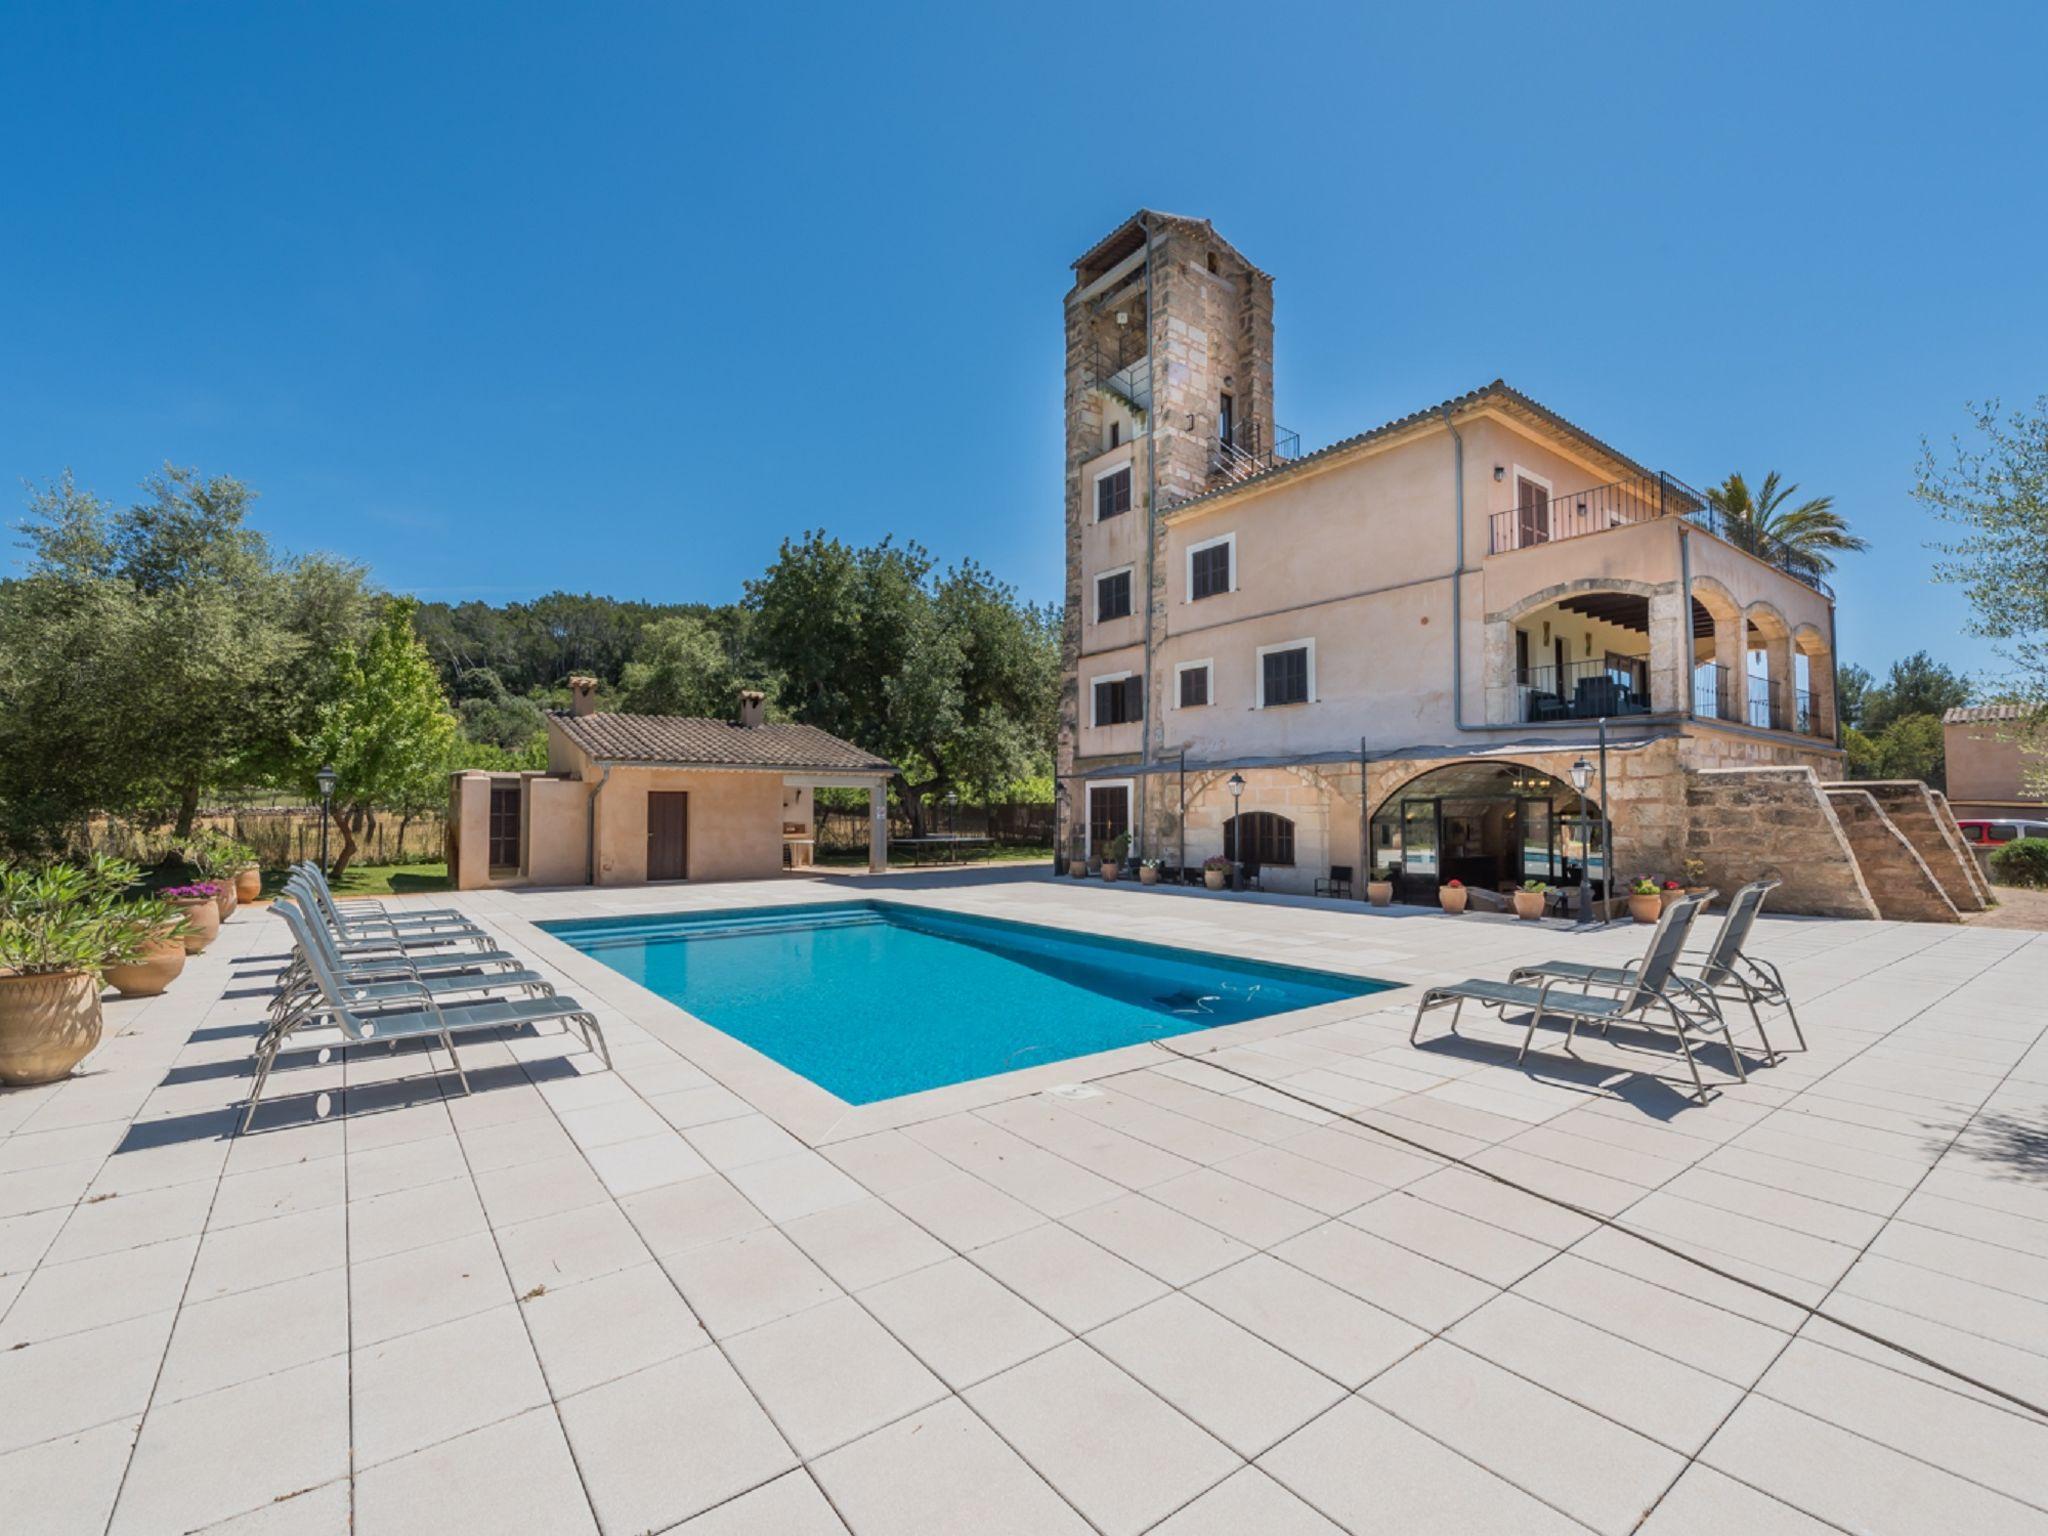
{"x": 1506, "y": 694}
{"x": 1543, "y": 597}
{"x": 1768, "y": 701}
{"x": 1815, "y": 713}
{"x": 1721, "y": 656}
{"x": 1499, "y": 845}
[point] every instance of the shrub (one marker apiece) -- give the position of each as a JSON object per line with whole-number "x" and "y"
{"x": 2023, "y": 862}
{"x": 1215, "y": 861}
{"x": 68, "y": 917}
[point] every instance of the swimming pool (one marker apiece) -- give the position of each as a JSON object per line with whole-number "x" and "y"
{"x": 872, "y": 999}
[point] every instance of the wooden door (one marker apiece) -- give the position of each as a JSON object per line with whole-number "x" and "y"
{"x": 1532, "y": 513}
{"x": 1109, "y": 815}
{"x": 504, "y": 824}
{"x": 668, "y": 835}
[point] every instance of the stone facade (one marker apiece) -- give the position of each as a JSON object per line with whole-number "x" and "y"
{"x": 1897, "y": 877}
{"x": 1919, "y": 814}
{"x": 1775, "y": 823}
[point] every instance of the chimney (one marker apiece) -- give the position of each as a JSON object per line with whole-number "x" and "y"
{"x": 582, "y": 695}
{"x": 752, "y": 702}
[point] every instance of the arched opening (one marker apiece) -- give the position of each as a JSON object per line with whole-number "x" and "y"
{"x": 1261, "y": 839}
{"x": 1767, "y": 669}
{"x": 1583, "y": 657}
{"x": 1491, "y": 825}
{"x": 1718, "y": 652}
{"x": 1813, "y": 683}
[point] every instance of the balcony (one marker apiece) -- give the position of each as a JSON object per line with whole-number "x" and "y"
{"x": 1122, "y": 369}
{"x": 1763, "y": 703}
{"x": 1251, "y": 450}
{"x": 1641, "y": 499}
{"x": 1585, "y": 690}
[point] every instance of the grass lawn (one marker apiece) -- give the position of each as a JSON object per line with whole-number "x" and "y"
{"x": 376, "y": 879}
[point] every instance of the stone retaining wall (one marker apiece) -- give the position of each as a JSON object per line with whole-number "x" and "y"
{"x": 1775, "y": 823}
{"x": 1898, "y": 878}
{"x": 1910, "y": 807}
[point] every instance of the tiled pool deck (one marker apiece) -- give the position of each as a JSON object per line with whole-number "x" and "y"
{"x": 1208, "y": 1298}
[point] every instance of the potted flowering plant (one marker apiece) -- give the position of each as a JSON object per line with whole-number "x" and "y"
{"x": 1379, "y": 890}
{"x": 1667, "y": 893}
{"x": 1696, "y": 877}
{"x": 1452, "y": 896}
{"x": 1113, "y": 855}
{"x": 1530, "y": 899}
{"x": 1148, "y": 872}
{"x": 1643, "y": 901}
{"x": 60, "y": 926}
{"x": 1215, "y": 870}
{"x": 1077, "y": 862}
{"x": 199, "y": 905}
{"x": 159, "y": 932}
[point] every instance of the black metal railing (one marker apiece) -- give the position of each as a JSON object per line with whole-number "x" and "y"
{"x": 1251, "y": 449}
{"x": 1803, "y": 719}
{"x": 1710, "y": 697}
{"x": 1642, "y": 499}
{"x": 1765, "y": 704}
{"x": 1121, "y": 368}
{"x": 1586, "y": 690}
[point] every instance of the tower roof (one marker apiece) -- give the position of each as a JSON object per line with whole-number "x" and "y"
{"x": 1130, "y": 235}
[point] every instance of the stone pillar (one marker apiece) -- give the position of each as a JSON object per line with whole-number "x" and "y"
{"x": 1670, "y": 651}
{"x": 1731, "y": 655}
{"x": 1820, "y": 683}
{"x": 1497, "y": 661}
{"x": 878, "y": 829}
{"x": 1784, "y": 681}
{"x": 469, "y": 830}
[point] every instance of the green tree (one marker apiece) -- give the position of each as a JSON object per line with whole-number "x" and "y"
{"x": 159, "y": 652}
{"x": 385, "y": 728}
{"x": 1852, "y": 691}
{"x": 1909, "y": 747}
{"x": 948, "y": 676}
{"x": 1993, "y": 489}
{"x": 684, "y": 665}
{"x": 1918, "y": 685}
{"x": 1760, "y": 521}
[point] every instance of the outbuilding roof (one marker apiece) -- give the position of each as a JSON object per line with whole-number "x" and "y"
{"x": 1979, "y": 714}
{"x": 691, "y": 741}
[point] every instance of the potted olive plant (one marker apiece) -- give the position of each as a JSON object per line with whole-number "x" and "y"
{"x": 1379, "y": 890}
{"x": 160, "y": 958}
{"x": 1113, "y": 855}
{"x": 1215, "y": 870}
{"x": 1530, "y": 900}
{"x": 1077, "y": 862}
{"x": 60, "y": 926}
{"x": 1452, "y": 896}
{"x": 1643, "y": 902}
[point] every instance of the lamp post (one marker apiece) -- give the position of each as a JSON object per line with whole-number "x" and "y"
{"x": 1236, "y": 788}
{"x": 1582, "y": 776}
{"x": 953, "y": 812}
{"x": 326, "y": 779}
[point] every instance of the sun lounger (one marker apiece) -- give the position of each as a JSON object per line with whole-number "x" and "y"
{"x": 1652, "y": 1000}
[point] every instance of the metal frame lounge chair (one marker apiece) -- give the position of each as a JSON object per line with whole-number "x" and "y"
{"x": 308, "y": 880}
{"x": 368, "y": 906}
{"x": 1655, "y": 998}
{"x": 1722, "y": 969}
{"x": 348, "y": 1005}
{"x": 362, "y": 929}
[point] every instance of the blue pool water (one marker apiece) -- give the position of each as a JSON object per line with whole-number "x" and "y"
{"x": 871, "y": 999}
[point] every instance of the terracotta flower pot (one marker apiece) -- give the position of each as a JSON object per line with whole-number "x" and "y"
{"x": 1111, "y": 871}
{"x": 155, "y": 969}
{"x": 1147, "y": 875}
{"x": 1380, "y": 892}
{"x": 1644, "y": 908}
{"x": 47, "y": 1024}
{"x": 1667, "y": 897}
{"x": 202, "y": 922}
{"x": 224, "y": 898}
{"x": 1452, "y": 898}
{"x": 249, "y": 882}
{"x": 1078, "y": 868}
{"x": 1529, "y": 905}
{"x": 1213, "y": 878}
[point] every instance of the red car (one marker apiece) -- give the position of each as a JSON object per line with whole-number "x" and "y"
{"x": 1990, "y": 833}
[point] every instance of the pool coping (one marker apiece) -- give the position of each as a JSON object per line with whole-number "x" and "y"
{"x": 818, "y": 1118}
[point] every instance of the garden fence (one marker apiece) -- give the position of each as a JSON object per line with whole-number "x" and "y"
{"x": 283, "y": 835}
{"x": 844, "y": 831}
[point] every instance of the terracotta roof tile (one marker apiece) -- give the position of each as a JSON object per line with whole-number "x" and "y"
{"x": 1977, "y": 714}
{"x": 689, "y": 739}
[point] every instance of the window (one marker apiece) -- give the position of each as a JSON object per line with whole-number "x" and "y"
{"x": 1113, "y": 596}
{"x": 1209, "y": 565}
{"x": 1532, "y": 510}
{"x": 1116, "y": 433}
{"x": 1226, "y": 419}
{"x": 1259, "y": 838}
{"x": 504, "y": 824}
{"x": 1113, "y": 493}
{"x": 1287, "y": 673}
{"x": 1213, "y": 267}
{"x": 1192, "y": 682}
{"x": 1119, "y": 700}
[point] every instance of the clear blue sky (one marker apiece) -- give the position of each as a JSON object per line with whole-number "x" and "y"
{"x": 500, "y": 298}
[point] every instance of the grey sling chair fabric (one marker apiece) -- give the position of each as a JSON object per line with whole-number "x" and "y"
{"x": 436, "y": 951}
{"x": 429, "y": 1020}
{"x": 409, "y": 924}
{"x": 1722, "y": 969}
{"x": 1653, "y": 999}
{"x": 380, "y": 935}
{"x": 388, "y": 978}
{"x": 370, "y": 906}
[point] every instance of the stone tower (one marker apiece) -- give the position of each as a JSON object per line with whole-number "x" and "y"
{"x": 1169, "y": 350}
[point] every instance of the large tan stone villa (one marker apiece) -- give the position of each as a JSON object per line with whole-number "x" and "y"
{"x": 1396, "y": 647}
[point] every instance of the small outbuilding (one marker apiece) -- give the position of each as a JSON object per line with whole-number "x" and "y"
{"x": 632, "y": 799}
